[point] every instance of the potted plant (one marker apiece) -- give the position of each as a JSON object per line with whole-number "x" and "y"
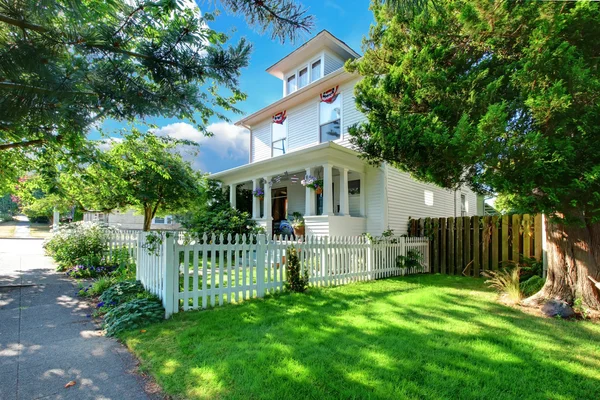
{"x": 259, "y": 192}
{"x": 297, "y": 222}
{"x": 314, "y": 183}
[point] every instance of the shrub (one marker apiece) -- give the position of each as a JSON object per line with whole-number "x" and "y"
{"x": 78, "y": 243}
{"x": 133, "y": 314}
{"x": 122, "y": 292}
{"x": 297, "y": 276}
{"x": 90, "y": 271}
{"x": 532, "y": 285}
{"x": 412, "y": 260}
{"x": 100, "y": 286}
{"x": 506, "y": 281}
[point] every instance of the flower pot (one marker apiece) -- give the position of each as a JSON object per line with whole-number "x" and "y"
{"x": 319, "y": 190}
{"x": 261, "y": 197}
{"x": 299, "y": 231}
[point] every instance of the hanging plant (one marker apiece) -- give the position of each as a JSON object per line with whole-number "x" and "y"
{"x": 259, "y": 192}
{"x": 314, "y": 183}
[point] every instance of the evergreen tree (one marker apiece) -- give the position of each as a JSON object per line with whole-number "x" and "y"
{"x": 66, "y": 65}
{"x": 502, "y": 96}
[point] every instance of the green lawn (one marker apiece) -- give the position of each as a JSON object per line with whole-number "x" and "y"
{"x": 417, "y": 337}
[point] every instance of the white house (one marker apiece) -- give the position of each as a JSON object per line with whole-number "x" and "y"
{"x": 130, "y": 220}
{"x": 306, "y": 133}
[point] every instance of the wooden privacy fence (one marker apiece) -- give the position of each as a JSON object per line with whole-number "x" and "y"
{"x": 216, "y": 270}
{"x": 475, "y": 244}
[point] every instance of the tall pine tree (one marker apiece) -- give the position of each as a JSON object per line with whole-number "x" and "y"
{"x": 502, "y": 96}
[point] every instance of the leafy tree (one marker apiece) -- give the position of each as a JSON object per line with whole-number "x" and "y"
{"x": 66, "y": 65}
{"x": 37, "y": 198}
{"x": 501, "y": 96}
{"x": 142, "y": 171}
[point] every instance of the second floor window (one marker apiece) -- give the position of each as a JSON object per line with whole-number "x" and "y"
{"x": 315, "y": 70}
{"x": 302, "y": 78}
{"x": 291, "y": 84}
{"x": 329, "y": 120}
{"x": 279, "y": 138}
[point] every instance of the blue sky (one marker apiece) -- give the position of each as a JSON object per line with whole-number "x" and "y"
{"x": 349, "y": 20}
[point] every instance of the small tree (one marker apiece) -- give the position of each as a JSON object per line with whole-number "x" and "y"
{"x": 501, "y": 96}
{"x": 144, "y": 172}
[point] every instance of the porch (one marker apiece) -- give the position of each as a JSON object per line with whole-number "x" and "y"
{"x": 338, "y": 210}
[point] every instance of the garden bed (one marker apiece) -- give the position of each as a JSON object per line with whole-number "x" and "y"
{"x": 427, "y": 336}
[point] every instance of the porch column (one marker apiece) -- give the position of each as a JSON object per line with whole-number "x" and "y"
{"x": 327, "y": 189}
{"x": 255, "y": 200}
{"x": 268, "y": 214}
{"x": 344, "y": 201}
{"x": 363, "y": 191}
{"x": 232, "y": 195}
{"x": 309, "y": 200}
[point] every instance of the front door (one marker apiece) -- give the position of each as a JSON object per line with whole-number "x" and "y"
{"x": 279, "y": 205}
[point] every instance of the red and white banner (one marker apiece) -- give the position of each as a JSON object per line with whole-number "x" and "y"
{"x": 280, "y": 117}
{"x": 330, "y": 95}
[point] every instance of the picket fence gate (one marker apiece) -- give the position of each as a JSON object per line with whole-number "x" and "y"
{"x": 191, "y": 274}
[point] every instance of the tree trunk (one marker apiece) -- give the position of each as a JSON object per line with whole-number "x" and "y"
{"x": 573, "y": 253}
{"x": 148, "y": 215}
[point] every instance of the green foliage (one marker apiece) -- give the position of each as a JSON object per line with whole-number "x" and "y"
{"x": 506, "y": 281}
{"x": 8, "y": 206}
{"x": 78, "y": 243}
{"x": 66, "y": 65}
{"x": 531, "y": 285}
{"x": 297, "y": 220}
{"x": 132, "y": 315}
{"x": 296, "y": 273}
{"x": 141, "y": 171}
{"x": 413, "y": 261}
{"x": 100, "y": 285}
{"x": 500, "y": 96}
{"x": 212, "y": 214}
{"x": 37, "y": 197}
{"x": 121, "y": 292}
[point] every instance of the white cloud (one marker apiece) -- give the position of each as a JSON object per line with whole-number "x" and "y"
{"x": 228, "y": 140}
{"x": 106, "y": 144}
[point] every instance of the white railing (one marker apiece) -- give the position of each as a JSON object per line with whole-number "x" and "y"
{"x": 191, "y": 274}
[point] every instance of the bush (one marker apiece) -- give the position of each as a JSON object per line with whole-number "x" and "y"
{"x": 78, "y": 243}
{"x": 412, "y": 261}
{"x": 122, "y": 292}
{"x": 506, "y": 281}
{"x": 88, "y": 271}
{"x": 100, "y": 286}
{"x": 297, "y": 276}
{"x": 133, "y": 314}
{"x": 532, "y": 285}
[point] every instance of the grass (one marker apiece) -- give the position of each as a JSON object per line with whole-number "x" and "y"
{"x": 38, "y": 230}
{"x": 7, "y": 229}
{"x": 416, "y": 337}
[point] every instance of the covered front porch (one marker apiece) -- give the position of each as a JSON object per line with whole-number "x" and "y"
{"x": 338, "y": 210}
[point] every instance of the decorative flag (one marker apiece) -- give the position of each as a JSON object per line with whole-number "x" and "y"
{"x": 330, "y": 95}
{"x": 280, "y": 117}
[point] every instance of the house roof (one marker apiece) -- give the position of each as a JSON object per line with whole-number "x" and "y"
{"x": 309, "y": 91}
{"x": 312, "y": 156}
{"x": 323, "y": 39}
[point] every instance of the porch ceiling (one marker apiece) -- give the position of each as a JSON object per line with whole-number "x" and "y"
{"x": 314, "y": 156}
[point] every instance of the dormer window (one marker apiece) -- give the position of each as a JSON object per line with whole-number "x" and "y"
{"x": 302, "y": 78}
{"x": 315, "y": 70}
{"x": 291, "y": 84}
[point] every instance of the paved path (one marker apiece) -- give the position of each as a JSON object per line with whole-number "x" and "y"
{"x": 47, "y": 338}
{"x": 22, "y": 228}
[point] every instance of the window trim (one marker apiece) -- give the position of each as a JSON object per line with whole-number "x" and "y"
{"x": 287, "y": 134}
{"x": 319, "y": 125}
{"x": 167, "y": 220}
{"x": 308, "y": 66}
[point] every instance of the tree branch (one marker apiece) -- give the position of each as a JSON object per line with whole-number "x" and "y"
{"x": 27, "y": 143}
{"x": 37, "y": 89}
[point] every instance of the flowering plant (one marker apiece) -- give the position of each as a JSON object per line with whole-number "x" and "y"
{"x": 312, "y": 182}
{"x": 258, "y": 192}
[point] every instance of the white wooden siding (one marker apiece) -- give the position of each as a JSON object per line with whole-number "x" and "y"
{"x": 332, "y": 63}
{"x": 303, "y": 125}
{"x": 350, "y": 114}
{"x": 261, "y": 141}
{"x": 374, "y": 200}
{"x": 405, "y": 197}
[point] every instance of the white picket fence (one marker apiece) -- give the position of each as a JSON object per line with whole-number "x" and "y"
{"x": 217, "y": 270}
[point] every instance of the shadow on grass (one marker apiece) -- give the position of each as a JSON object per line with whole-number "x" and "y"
{"x": 411, "y": 337}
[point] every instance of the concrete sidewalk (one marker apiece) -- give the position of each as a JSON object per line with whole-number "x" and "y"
{"x": 48, "y": 339}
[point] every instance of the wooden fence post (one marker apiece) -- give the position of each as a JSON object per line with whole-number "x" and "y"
{"x": 260, "y": 265}
{"x": 443, "y": 246}
{"x": 170, "y": 295}
{"x": 476, "y": 242}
